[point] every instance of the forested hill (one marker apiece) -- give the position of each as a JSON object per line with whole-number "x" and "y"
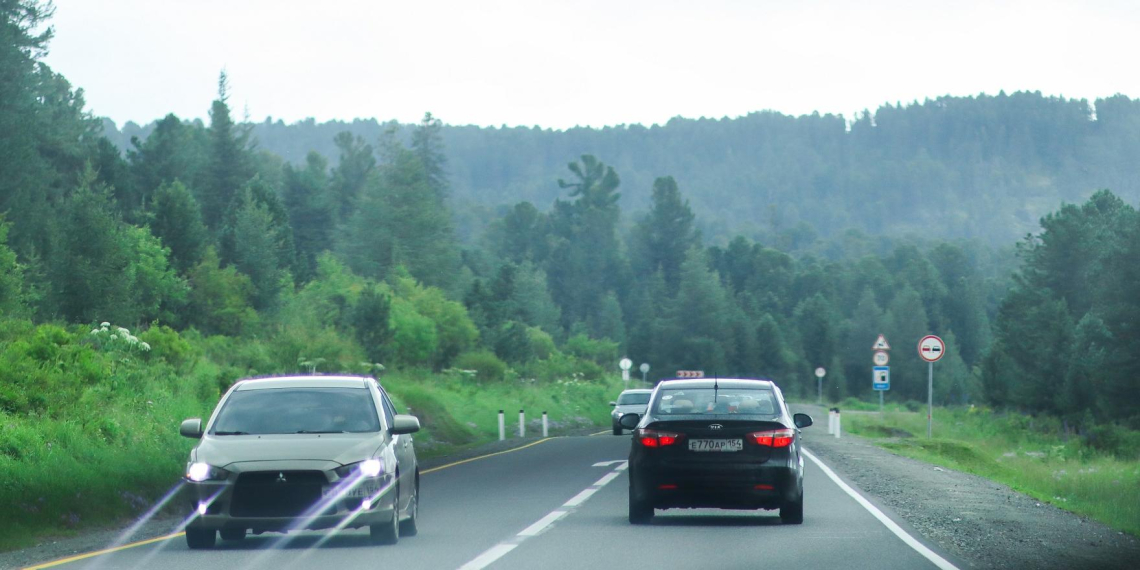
{"x": 985, "y": 167}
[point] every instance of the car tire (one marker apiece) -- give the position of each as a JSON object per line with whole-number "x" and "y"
{"x": 640, "y": 512}
{"x": 792, "y": 512}
{"x": 201, "y": 538}
{"x": 232, "y": 533}
{"x": 409, "y": 526}
{"x": 387, "y": 532}
{"x": 617, "y": 430}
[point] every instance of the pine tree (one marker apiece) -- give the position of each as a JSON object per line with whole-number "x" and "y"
{"x": 176, "y": 219}
{"x": 311, "y": 215}
{"x": 230, "y": 164}
{"x": 357, "y": 163}
{"x": 665, "y": 234}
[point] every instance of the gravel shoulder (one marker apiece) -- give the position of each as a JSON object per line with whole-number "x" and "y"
{"x": 976, "y": 520}
{"x": 54, "y": 548}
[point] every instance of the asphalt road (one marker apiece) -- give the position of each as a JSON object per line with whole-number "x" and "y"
{"x": 550, "y": 506}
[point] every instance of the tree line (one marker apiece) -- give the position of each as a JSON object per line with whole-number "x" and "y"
{"x": 196, "y": 227}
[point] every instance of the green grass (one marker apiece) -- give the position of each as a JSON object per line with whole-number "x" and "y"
{"x": 1030, "y": 455}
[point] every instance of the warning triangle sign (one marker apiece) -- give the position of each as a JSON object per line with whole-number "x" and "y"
{"x": 881, "y": 344}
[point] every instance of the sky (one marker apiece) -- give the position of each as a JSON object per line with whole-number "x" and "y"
{"x": 559, "y": 64}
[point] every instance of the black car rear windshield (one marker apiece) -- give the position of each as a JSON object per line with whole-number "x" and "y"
{"x": 635, "y": 398}
{"x": 706, "y": 401}
{"x": 298, "y": 410}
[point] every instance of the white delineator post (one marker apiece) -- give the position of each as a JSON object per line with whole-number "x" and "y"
{"x": 831, "y": 421}
{"x": 545, "y": 427}
{"x": 502, "y": 426}
{"x": 838, "y": 423}
{"x": 522, "y": 423}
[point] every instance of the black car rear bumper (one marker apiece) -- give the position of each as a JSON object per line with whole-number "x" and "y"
{"x": 723, "y": 486}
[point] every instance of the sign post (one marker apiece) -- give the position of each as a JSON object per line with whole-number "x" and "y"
{"x": 644, "y": 368}
{"x": 881, "y": 373}
{"x": 819, "y": 373}
{"x": 625, "y": 365}
{"x": 931, "y": 349}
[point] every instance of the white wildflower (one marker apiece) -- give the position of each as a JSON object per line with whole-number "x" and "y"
{"x": 114, "y": 336}
{"x": 104, "y": 324}
{"x": 124, "y": 332}
{"x": 145, "y": 347}
{"x": 94, "y": 331}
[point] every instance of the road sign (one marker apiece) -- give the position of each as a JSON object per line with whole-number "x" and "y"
{"x": 881, "y": 377}
{"x": 931, "y": 348}
{"x": 644, "y": 367}
{"x": 820, "y": 372}
{"x": 881, "y": 358}
{"x": 625, "y": 364}
{"x": 881, "y": 344}
{"x": 690, "y": 374}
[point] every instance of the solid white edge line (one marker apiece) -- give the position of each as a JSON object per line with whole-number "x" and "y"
{"x": 492, "y": 554}
{"x": 542, "y": 523}
{"x": 883, "y": 518}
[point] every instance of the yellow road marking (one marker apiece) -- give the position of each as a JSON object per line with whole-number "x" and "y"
{"x": 102, "y": 552}
{"x": 603, "y": 432}
{"x": 78, "y": 557}
{"x": 442, "y": 467}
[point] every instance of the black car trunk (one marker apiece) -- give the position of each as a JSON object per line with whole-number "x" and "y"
{"x": 714, "y": 428}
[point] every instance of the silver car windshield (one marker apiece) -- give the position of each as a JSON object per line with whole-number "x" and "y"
{"x": 633, "y": 399}
{"x": 298, "y": 410}
{"x": 701, "y": 401}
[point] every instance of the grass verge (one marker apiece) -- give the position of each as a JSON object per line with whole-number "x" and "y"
{"x": 1030, "y": 455}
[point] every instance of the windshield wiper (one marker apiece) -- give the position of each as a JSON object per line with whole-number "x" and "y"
{"x": 320, "y": 431}
{"x": 230, "y": 433}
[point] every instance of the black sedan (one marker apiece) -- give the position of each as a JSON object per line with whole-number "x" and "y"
{"x": 721, "y": 443}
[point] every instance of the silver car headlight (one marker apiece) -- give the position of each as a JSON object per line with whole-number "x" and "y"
{"x": 199, "y": 472}
{"x": 367, "y": 468}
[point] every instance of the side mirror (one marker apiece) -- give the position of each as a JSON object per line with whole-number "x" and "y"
{"x": 191, "y": 428}
{"x": 802, "y": 420}
{"x": 629, "y": 421}
{"x": 402, "y": 424}
{"x": 613, "y": 403}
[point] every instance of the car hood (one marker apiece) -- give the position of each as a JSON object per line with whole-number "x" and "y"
{"x": 225, "y": 450}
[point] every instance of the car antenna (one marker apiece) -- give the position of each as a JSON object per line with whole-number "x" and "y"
{"x": 716, "y": 385}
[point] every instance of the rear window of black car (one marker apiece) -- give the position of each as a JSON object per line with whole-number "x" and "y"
{"x": 635, "y": 398}
{"x": 298, "y": 410}
{"x": 702, "y": 401}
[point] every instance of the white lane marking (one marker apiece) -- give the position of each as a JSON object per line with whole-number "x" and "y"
{"x": 608, "y": 463}
{"x": 887, "y": 522}
{"x": 608, "y": 477}
{"x": 492, "y": 554}
{"x": 543, "y": 523}
{"x": 580, "y": 498}
{"x": 499, "y": 550}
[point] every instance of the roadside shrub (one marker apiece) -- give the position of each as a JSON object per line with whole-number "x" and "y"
{"x": 600, "y": 351}
{"x": 488, "y": 367}
{"x": 1120, "y": 442}
{"x": 167, "y": 344}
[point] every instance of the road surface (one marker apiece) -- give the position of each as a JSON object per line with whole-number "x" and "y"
{"x": 561, "y": 503}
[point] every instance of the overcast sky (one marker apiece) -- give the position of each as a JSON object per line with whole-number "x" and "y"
{"x": 584, "y": 62}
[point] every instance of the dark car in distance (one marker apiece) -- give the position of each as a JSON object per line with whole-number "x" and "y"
{"x": 716, "y": 443}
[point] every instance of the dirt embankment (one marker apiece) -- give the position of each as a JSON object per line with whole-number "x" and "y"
{"x": 983, "y": 523}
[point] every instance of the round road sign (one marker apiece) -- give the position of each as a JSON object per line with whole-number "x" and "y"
{"x": 931, "y": 348}
{"x": 820, "y": 372}
{"x": 625, "y": 364}
{"x": 644, "y": 367}
{"x": 881, "y": 358}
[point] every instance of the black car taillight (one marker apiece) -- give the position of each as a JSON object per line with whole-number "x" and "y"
{"x": 652, "y": 438}
{"x": 773, "y": 438}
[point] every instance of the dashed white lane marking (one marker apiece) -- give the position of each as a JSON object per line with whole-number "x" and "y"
{"x": 891, "y": 525}
{"x": 500, "y": 550}
{"x": 608, "y": 463}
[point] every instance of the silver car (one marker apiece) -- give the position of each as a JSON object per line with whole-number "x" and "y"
{"x": 302, "y": 452}
{"x": 629, "y": 402}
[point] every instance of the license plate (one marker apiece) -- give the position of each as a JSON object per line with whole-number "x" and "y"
{"x": 360, "y": 491}
{"x": 724, "y": 445}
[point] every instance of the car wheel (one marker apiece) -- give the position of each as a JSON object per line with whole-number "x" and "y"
{"x": 617, "y": 430}
{"x": 232, "y": 533}
{"x": 793, "y": 512}
{"x": 387, "y": 532}
{"x": 640, "y": 512}
{"x": 408, "y": 526}
{"x": 200, "y": 538}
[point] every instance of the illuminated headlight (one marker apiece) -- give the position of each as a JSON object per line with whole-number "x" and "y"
{"x": 199, "y": 472}
{"x": 366, "y": 468}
